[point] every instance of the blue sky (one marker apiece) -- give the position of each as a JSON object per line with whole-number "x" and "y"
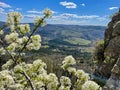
{"x": 77, "y": 12}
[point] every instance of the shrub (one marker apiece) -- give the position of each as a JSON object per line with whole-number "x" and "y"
{"x": 99, "y": 52}
{"x": 16, "y": 74}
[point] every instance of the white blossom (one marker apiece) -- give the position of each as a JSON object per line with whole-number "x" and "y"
{"x": 24, "y": 28}
{"x": 90, "y": 85}
{"x": 82, "y": 75}
{"x": 6, "y": 78}
{"x": 25, "y": 38}
{"x": 42, "y": 71}
{"x": 64, "y": 88}
{"x": 12, "y": 37}
{"x": 10, "y": 19}
{"x": 39, "y": 63}
{"x": 14, "y": 17}
{"x": 1, "y": 32}
{"x": 36, "y": 38}
{"x": 34, "y": 46}
{"x": 37, "y": 46}
{"x": 52, "y": 86}
{"x": 52, "y": 77}
{"x": 30, "y": 46}
{"x": 7, "y": 64}
{"x": 2, "y": 51}
{"x": 65, "y": 81}
{"x": 12, "y": 47}
{"x": 52, "y": 81}
{"x": 68, "y": 61}
{"x": 43, "y": 78}
{"x": 39, "y": 85}
{"x": 12, "y": 27}
{"x": 40, "y": 21}
{"x": 19, "y": 41}
{"x": 16, "y": 87}
{"x": 18, "y": 69}
{"x": 28, "y": 66}
{"x": 47, "y": 12}
{"x": 71, "y": 70}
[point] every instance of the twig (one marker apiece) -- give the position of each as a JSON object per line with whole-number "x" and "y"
{"x": 29, "y": 80}
{"x": 33, "y": 31}
{"x": 2, "y": 43}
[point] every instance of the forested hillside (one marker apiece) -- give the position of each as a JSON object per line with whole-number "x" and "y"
{"x": 69, "y": 39}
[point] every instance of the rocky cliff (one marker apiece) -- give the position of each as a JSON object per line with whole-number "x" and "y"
{"x": 110, "y": 64}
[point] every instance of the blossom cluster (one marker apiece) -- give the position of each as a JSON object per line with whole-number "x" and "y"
{"x": 19, "y": 35}
{"x": 5, "y": 79}
{"x": 68, "y": 61}
{"x": 14, "y": 18}
{"x": 24, "y": 28}
{"x": 65, "y": 83}
{"x": 83, "y": 81}
{"x": 8, "y": 64}
{"x": 91, "y": 85}
{"x": 12, "y": 37}
{"x": 47, "y": 12}
{"x": 41, "y": 79}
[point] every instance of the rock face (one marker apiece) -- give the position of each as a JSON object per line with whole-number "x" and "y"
{"x": 112, "y": 37}
{"x": 110, "y": 68}
{"x": 113, "y": 83}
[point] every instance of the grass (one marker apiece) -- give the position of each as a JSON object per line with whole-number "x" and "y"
{"x": 78, "y": 41}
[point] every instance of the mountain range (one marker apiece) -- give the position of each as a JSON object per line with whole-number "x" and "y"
{"x": 71, "y": 34}
{"x": 68, "y": 39}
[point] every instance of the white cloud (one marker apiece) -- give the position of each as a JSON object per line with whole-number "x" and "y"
{"x": 54, "y": 12}
{"x": 71, "y": 19}
{"x": 39, "y": 12}
{"x": 11, "y": 10}
{"x": 34, "y": 12}
{"x": 31, "y": 16}
{"x": 88, "y": 16}
{"x": 18, "y": 9}
{"x": 83, "y": 5}
{"x": 113, "y": 8}
{"x": 68, "y": 22}
{"x": 75, "y": 19}
{"x": 1, "y": 10}
{"x": 4, "y": 5}
{"x": 68, "y": 4}
{"x": 69, "y": 15}
{"x": 101, "y": 18}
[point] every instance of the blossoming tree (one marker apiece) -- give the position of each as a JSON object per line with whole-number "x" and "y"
{"x": 16, "y": 74}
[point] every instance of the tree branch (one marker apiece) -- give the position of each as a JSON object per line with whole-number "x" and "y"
{"x": 29, "y": 80}
{"x": 17, "y": 63}
{"x": 20, "y": 51}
